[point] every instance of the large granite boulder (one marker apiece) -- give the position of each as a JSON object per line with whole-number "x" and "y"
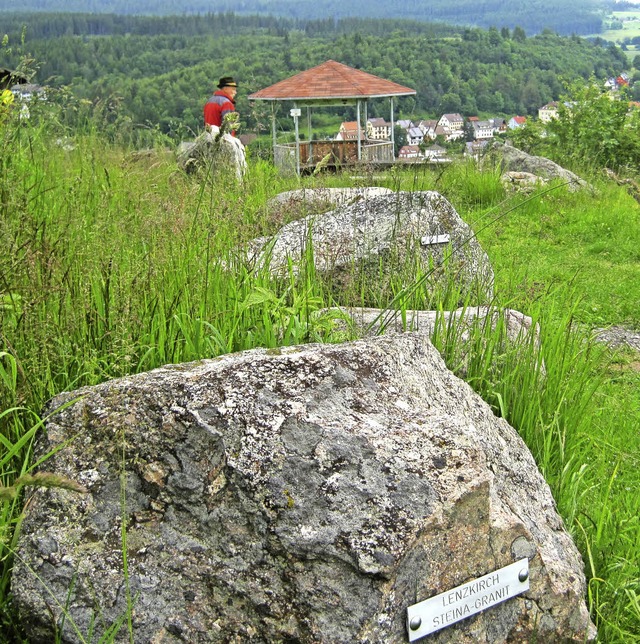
{"x": 379, "y": 238}
{"x": 308, "y": 494}
{"x": 513, "y": 161}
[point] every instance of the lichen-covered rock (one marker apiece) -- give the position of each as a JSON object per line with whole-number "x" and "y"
{"x": 313, "y": 199}
{"x": 379, "y": 238}
{"x": 512, "y": 160}
{"x": 308, "y": 494}
{"x": 371, "y": 322}
{"x": 213, "y": 149}
{"x": 522, "y": 181}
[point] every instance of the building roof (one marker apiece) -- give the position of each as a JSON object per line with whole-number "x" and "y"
{"x": 331, "y": 80}
{"x": 408, "y": 149}
{"x": 379, "y": 122}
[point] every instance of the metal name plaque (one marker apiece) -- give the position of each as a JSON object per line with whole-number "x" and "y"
{"x": 432, "y": 240}
{"x": 473, "y": 597}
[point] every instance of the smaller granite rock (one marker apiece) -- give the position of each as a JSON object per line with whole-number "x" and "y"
{"x": 619, "y": 337}
{"x": 511, "y": 159}
{"x": 306, "y": 200}
{"x": 406, "y": 235}
{"x": 521, "y": 181}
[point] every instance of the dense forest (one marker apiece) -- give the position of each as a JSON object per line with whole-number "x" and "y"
{"x": 157, "y": 72}
{"x": 569, "y": 17}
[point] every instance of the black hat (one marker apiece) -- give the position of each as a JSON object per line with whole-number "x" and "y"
{"x": 227, "y": 81}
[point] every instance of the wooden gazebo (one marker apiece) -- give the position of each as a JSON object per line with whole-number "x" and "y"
{"x": 330, "y": 84}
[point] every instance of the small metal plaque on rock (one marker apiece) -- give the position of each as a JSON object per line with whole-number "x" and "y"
{"x": 433, "y": 240}
{"x": 473, "y": 597}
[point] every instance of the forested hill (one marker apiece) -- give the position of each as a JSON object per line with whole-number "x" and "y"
{"x": 567, "y": 17}
{"x": 157, "y": 72}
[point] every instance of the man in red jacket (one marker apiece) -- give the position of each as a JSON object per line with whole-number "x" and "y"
{"x": 221, "y": 103}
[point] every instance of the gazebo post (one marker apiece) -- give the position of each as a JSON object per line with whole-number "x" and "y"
{"x": 273, "y": 128}
{"x": 393, "y": 140}
{"x": 296, "y": 113}
{"x": 366, "y": 117}
{"x": 358, "y": 130}
{"x": 309, "y": 133}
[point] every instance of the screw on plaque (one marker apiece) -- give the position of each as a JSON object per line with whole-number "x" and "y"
{"x": 523, "y": 575}
{"x": 415, "y": 623}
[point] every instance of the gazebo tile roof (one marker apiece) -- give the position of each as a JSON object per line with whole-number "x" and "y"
{"x": 331, "y": 80}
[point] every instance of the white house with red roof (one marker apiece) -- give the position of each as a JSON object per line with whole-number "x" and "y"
{"x": 516, "y": 121}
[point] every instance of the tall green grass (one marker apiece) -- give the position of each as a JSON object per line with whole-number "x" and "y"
{"x": 115, "y": 262}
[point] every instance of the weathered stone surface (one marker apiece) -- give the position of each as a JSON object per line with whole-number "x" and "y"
{"x": 460, "y": 327}
{"x": 618, "y": 337}
{"x": 327, "y": 198}
{"x": 308, "y": 494}
{"x": 384, "y": 234}
{"x": 372, "y": 322}
{"x": 511, "y": 159}
{"x": 211, "y": 147}
{"x": 521, "y": 181}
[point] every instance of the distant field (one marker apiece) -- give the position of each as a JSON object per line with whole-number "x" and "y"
{"x": 630, "y": 26}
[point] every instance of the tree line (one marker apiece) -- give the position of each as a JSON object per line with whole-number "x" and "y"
{"x": 568, "y": 17}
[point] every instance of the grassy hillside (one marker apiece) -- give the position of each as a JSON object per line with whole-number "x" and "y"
{"x": 115, "y": 262}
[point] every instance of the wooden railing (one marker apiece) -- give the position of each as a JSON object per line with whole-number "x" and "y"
{"x": 341, "y": 153}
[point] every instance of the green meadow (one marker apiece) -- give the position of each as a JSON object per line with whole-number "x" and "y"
{"x": 630, "y": 21}
{"x": 115, "y": 262}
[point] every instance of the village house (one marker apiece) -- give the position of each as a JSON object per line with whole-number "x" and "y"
{"x": 516, "y": 121}
{"x": 28, "y": 91}
{"x": 452, "y": 121}
{"x": 378, "y": 129}
{"x": 415, "y": 136}
{"x": 405, "y": 124}
{"x": 436, "y": 154}
{"x": 349, "y": 132}
{"x": 428, "y": 128}
{"x": 499, "y": 125}
{"x": 409, "y": 153}
{"x": 618, "y": 82}
{"x": 482, "y": 130}
{"x": 548, "y": 112}
{"x": 450, "y": 135}
{"x": 25, "y": 93}
{"x": 474, "y": 149}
